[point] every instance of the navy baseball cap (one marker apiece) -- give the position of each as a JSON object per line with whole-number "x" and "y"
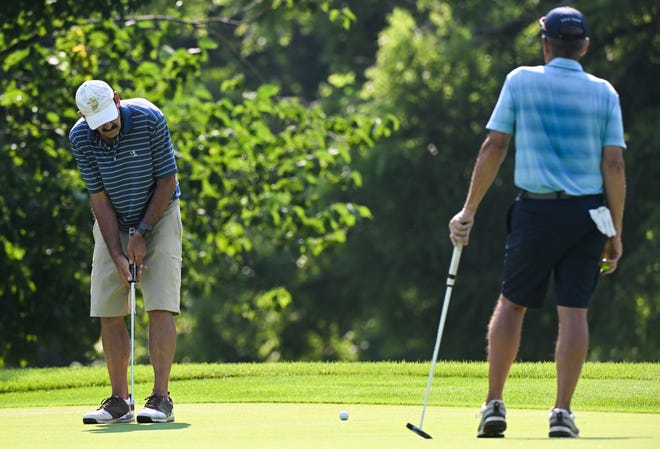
{"x": 564, "y": 23}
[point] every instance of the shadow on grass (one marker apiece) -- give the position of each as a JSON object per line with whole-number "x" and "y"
{"x": 128, "y": 427}
{"x": 580, "y": 438}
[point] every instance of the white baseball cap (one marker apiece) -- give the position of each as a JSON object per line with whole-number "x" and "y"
{"x": 95, "y": 100}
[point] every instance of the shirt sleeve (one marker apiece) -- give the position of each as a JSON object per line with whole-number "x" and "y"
{"x": 503, "y": 117}
{"x": 162, "y": 149}
{"x": 88, "y": 168}
{"x": 613, "y": 135}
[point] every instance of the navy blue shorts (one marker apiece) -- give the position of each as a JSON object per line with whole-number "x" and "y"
{"x": 552, "y": 237}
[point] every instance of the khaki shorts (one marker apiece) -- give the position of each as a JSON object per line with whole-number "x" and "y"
{"x": 160, "y": 285}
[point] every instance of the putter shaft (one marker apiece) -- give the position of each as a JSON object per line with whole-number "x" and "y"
{"x": 133, "y": 269}
{"x": 451, "y": 277}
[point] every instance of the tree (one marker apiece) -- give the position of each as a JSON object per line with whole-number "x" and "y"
{"x": 254, "y": 166}
{"x": 43, "y": 236}
{"x": 314, "y": 231}
{"x": 439, "y": 68}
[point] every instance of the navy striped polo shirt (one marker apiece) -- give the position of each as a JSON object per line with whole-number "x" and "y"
{"x": 127, "y": 171}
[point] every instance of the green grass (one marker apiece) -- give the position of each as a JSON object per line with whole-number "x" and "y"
{"x": 296, "y": 405}
{"x": 633, "y": 388}
{"x": 317, "y": 426}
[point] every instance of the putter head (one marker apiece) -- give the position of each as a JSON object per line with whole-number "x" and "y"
{"x": 418, "y": 431}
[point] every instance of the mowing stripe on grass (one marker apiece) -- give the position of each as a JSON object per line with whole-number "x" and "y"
{"x": 293, "y": 426}
{"x": 607, "y": 387}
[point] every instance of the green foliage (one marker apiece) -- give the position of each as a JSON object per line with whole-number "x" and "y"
{"x": 439, "y": 68}
{"x": 261, "y": 173}
{"x": 323, "y": 147}
{"x": 257, "y": 175}
{"x": 434, "y": 77}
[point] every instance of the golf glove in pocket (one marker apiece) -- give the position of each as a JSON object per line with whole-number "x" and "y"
{"x": 603, "y": 220}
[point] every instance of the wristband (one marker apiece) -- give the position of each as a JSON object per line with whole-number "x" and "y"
{"x": 144, "y": 229}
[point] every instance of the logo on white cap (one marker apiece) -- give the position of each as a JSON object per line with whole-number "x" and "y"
{"x": 95, "y": 100}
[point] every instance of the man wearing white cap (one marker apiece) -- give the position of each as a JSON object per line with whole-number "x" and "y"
{"x": 125, "y": 155}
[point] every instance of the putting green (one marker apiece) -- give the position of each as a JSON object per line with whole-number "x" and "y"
{"x": 307, "y": 426}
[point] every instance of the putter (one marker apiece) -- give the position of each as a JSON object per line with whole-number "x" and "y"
{"x": 451, "y": 277}
{"x": 131, "y": 304}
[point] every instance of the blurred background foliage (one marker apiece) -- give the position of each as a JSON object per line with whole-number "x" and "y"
{"x": 323, "y": 146}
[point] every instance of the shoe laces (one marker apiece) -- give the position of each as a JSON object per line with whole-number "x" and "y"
{"x": 107, "y": 401}
{"x": 154, "y": 401}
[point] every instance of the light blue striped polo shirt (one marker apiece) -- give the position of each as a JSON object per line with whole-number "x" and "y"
{"x": 127, "y": 171}
{"x": 561, "y": 118}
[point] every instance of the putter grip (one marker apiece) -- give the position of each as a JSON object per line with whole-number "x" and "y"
{"x": 455, "y": 258}
{"x": 131, "y": 264}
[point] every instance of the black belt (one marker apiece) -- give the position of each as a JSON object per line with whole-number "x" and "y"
{"x": 547, "y": 196}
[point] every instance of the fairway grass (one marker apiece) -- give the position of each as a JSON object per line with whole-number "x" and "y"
{"x": 603, "y": 387}
{"x": 293, "y": 426}
{"x": 297, "y": 405}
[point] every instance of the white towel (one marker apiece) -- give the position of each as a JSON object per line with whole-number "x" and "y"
{"x": 603, "y": 220}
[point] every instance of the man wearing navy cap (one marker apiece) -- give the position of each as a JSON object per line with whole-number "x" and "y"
{"x": 566, "y": 222}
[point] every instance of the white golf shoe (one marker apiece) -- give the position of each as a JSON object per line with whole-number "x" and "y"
{"x": 157, "y": 409}
{"x": 112, "y": 410}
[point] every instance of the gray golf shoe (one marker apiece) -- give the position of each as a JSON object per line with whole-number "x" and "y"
{"x": 562, "y": 424}
{"x": 493, "y": 420}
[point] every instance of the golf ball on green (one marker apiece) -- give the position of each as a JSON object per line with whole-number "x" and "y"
{"x": 343, "y": 415}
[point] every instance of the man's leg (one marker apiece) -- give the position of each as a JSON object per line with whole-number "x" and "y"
{"x": 162, "y": 343}
{"x": 570, "y": 352}
{"x": 116, "y": 347}
{"x": 503, "y": 341}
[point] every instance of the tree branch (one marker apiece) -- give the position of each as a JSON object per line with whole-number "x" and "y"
{"x": 131, "y": 20}
{"x": 203, "y": 24}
